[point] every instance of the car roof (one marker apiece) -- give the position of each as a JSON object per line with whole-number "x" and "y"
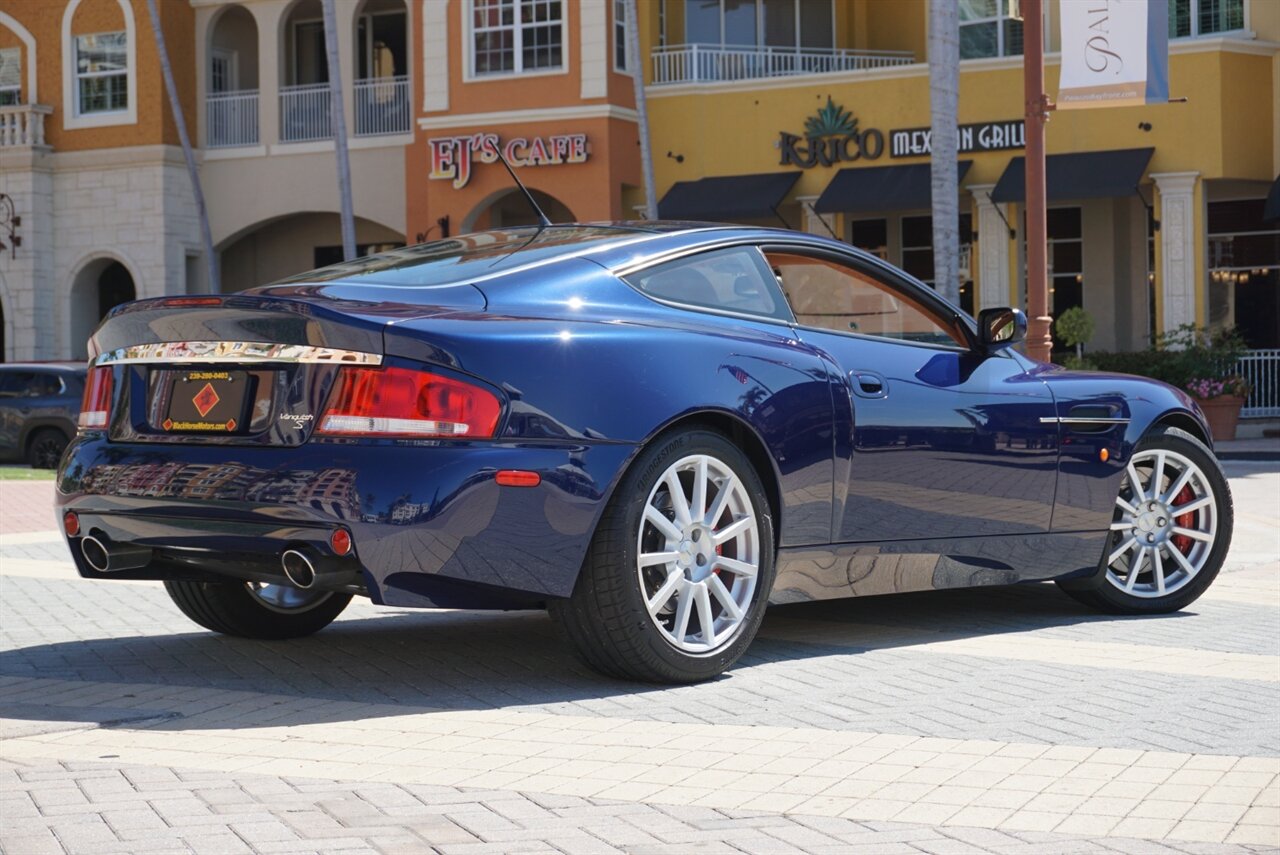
{"x": 493, "y": 254}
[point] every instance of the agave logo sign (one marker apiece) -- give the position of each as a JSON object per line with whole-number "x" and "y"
{"x": 831, "y": 136}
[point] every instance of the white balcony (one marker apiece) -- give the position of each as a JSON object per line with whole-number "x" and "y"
{"x": 382, "y": 106}
{"x": 715, "y": 63}
{"x": 304, "y": 113}
{"x": 232, "y": 118}
{"x": 23, "y": 125}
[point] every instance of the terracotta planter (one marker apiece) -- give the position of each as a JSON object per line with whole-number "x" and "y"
{"x": 1222, "y": 413}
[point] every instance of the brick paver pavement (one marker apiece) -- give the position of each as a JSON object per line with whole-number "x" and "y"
{"x": 993, "y": 720}
{"x": 26, "y": 506}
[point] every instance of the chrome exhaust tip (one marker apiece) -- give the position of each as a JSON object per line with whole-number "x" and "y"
{"x": 298, "y": 569}
{"x": 96, "y": 553}
{"x": 107, "y": 557}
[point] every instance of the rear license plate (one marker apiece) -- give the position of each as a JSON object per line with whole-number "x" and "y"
{"x": 204, "y": 401}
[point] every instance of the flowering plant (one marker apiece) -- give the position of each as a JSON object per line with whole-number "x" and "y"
{"x": 1206, "y": 388}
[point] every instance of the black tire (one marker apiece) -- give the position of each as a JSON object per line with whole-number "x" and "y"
{"x": 231, "y": 609}
{"x": 606, "y": 619}
{"x": 1099, "y": 593}
{"x": 45, "y": 447}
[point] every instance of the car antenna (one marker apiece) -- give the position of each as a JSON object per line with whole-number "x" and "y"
{"x": 543, "y": 221}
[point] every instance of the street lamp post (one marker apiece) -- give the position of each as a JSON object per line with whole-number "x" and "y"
{"x": 1039, "y": 341}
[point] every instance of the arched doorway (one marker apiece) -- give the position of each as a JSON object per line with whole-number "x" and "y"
{"x": 510, "y": 208}
{"x": 100, "y": 286}
{"x": 285, "y": 246}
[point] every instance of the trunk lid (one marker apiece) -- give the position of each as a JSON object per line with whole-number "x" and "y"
{"x": 253, "y": 368}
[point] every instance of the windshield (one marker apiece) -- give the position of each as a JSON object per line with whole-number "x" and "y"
{"x": 445, "y": 262}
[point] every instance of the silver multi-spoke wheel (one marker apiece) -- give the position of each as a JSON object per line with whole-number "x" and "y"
{"x": 1164, "y": 527}
{"x": 699, "y": 554}
{"x": 285, "y": 598}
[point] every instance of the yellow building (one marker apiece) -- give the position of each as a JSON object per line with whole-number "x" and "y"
{"x": 735, "y": 90}
{"x": 732, "y": 84}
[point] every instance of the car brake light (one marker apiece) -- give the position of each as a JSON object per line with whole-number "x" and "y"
{"x": 403, "y": 402}
{"x": 96, "y": 405}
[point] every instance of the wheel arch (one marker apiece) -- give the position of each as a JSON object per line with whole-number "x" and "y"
{"x": 34, "y": 426}
{"x": 1183, "y": 420}
{"x": 743, "y": 435}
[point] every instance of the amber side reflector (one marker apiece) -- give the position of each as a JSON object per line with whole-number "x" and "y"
{"x": 71, "y": 523}
{"x": 1104, "y": 455}
{"x": 340, "y": 542}
{"x": 517, "y": 478}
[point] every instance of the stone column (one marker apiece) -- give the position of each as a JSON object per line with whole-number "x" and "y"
{"x": 1177, "y": 248}
{"x": 435, "y": 57}
{"x": 992, "y": 275}
{"x": 26, "y": 274}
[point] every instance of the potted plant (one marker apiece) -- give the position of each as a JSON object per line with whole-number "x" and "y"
{"x": 1208, "y": 363}
{"x": 1075, "y": 328}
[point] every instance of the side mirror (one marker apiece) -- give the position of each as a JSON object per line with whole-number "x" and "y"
{"x": 1001, "y": 328}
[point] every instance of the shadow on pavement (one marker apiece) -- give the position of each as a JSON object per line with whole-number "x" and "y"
{"x": 485, "y": 660}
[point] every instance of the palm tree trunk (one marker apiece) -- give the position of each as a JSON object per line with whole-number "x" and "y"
{"x": 338, "y": 117}
{"x": 636, "y": 65}
{"x": 188, "y": 154}
{"x": 944, "y": 99}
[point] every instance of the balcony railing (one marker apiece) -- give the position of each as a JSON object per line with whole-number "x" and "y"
{"x": 382, "y": 106}
{"x": 23, "y": 125}
{"x": 304, "y": 113}
{"x": 715, "y": 63}
{"x": 1262, "y": 369}
{"x": 231, "y": 118}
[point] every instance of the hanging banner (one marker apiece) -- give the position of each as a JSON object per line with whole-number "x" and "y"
{"x": 1115, "y": 53}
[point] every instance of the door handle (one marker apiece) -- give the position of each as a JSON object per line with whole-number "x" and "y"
{"x": 868, "y": 384}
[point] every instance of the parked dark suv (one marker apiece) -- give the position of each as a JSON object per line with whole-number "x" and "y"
{"x": 39, "y": 406}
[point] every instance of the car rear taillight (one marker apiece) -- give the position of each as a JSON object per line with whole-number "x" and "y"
{"x": 403, "y": 402}
{"x": 96, "y": 405}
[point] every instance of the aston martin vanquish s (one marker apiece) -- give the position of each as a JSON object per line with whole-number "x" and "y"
{"x": 651, "y": 430}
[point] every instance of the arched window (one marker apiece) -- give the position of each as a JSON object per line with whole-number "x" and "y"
{"x": 100, "y": 72}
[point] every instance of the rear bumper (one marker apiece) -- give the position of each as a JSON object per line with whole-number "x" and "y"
{"x": 429, "y": 523}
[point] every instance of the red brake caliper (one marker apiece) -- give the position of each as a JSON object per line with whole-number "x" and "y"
{"x": 1181, "y": 541}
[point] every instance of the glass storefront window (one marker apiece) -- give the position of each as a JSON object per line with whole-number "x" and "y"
{"x": 1189, "y": 18}
{"x": 917, "y": 252}
{"x": 1066, "y": 264}
{"x": 872, "y": 236}
{"x": 1244, "y": 271}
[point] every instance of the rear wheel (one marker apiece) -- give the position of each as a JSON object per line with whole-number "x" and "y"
{"x": 1170, "y": 530}
{"x": 678, "y": 574}
{"x": 257, "y": 610}
{"x": 44, "y": 449}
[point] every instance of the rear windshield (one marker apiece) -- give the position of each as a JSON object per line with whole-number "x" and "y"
{"x": 445, "y": 262}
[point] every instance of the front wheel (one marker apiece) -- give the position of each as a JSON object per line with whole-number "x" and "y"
{"x": 1170, "y": 530}
{"x": 678, "y": 575}
{"x": 256, "y": 610}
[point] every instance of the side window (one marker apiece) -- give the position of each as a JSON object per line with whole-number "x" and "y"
{"x": 836, "y": 297}
{"x": 732, "y": 280}
{"x": 45, "y": 386}
{"x": 16, "y": 384}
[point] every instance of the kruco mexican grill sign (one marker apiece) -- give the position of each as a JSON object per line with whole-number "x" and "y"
{"x": 832, "y": 136}
{"x": 453, "y": 157}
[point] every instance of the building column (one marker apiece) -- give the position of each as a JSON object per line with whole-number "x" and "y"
{"x": 435, "y": 57}
{"x": 271, "y": 55}
{"x": 26, "y": 275}
{"x": 992, "y": 275}
{"x": 1177, "y": 248}
{"x": 810, "y": 219}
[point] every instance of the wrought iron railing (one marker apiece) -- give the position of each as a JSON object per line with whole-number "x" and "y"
{"x": 304, "y": 113}
{"x": 1262, "y": 369}
{"x": 231, "y": 118}
{"x": 714, "y": 63}
{"x": 382, "y": 106}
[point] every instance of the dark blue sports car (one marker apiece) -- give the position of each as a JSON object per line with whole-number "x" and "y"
{"x": 651, "y": 430}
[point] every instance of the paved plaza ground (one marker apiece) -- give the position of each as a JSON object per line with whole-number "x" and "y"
{"x": 996, "y": 720}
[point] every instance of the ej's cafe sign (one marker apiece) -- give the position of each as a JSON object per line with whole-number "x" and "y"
{"x": 453, "y": 157}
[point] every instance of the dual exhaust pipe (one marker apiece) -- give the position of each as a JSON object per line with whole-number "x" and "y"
{"x": 303, "y": 568}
